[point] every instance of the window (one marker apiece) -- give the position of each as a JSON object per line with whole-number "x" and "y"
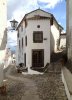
{"x": 18, "y": 33}
{"x": 22, "y": 42}
{"x": 25, "y": 23}
{"x": 38, "y": 26}
{"x": 25, "y": 59}
{"x": 26, "y": 40}
{"x": 37, "y": 36}
{"x": 51, "y": 20}
{"x": 19, "y": 44}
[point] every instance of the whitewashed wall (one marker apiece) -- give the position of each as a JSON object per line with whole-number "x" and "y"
{"x": 21, "y": 51}
{"x": 45, "y": 27}
{"x": 62, "y": 41}
{"x": 49, "y": 45}
{"x": 49, "y": 32}
{"x": 54, "y": 36}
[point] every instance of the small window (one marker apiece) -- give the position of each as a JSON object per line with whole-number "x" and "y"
{"x": 18, "y": 33}
{"x": 26, "y": 40}
{"x": 25, "y": 23}
{"x": 38, "y": 26}
{"x": 19, "y": 44}
{"x": 22, "y": 42}
{"x": 25, "y": 59}
{"x": 51, "y": 21}
{"x": 37, "y": 36}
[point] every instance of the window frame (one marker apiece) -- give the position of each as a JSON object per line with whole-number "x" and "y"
{"x": 36, "y": 33}
{"x": 25, "y": 40}
{"x": 19, "y": 44}
{"x": 22, "y": 42}
{"x": 18, "y": 33}
{"x": 25, "y": 59}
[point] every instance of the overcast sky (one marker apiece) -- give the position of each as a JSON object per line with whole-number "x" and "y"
{"x": 18, "y": 8}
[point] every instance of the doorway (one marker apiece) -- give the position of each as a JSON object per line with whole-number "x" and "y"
{"x": 38, "y": 58}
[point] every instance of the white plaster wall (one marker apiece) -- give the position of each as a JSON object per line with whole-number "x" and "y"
{"x": 47, "y": 45}
{"x": 62, "y": 41}
{"x": 55, "y": 35}
{"x": 17, "y": 55}
{"x": 45, "y": 27}
{"x": 20, "y": 52}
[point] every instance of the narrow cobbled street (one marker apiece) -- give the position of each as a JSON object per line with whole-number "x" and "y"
{"x": 48, "y": 86}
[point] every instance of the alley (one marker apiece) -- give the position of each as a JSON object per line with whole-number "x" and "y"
{"x": 48, "y": 86}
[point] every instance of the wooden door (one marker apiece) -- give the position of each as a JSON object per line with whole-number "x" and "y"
{"x": 38, "y": 58}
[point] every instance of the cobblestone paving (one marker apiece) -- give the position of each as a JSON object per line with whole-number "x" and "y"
{"x": 15, "y": 90}
{"x": 48, "y": 86}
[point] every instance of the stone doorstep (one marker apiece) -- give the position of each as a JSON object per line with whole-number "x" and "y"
{"x": 20, "y": 70}
{"x": 40, "y": 69}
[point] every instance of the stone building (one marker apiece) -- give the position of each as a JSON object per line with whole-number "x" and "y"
{"x": 38, "y": 37}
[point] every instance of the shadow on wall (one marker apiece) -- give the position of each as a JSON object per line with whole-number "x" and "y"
{"x": 52, "y": 43}
{"x": 4, "y": 40}
{"x": 59, "y": 56}
{"x": 69, "y": 65}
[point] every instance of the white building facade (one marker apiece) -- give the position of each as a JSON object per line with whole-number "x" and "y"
{"x": 63, "y": 41}
{"x": 38, "y": 36}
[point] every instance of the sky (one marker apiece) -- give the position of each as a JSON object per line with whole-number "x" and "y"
{"x": 18, "y": 8}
